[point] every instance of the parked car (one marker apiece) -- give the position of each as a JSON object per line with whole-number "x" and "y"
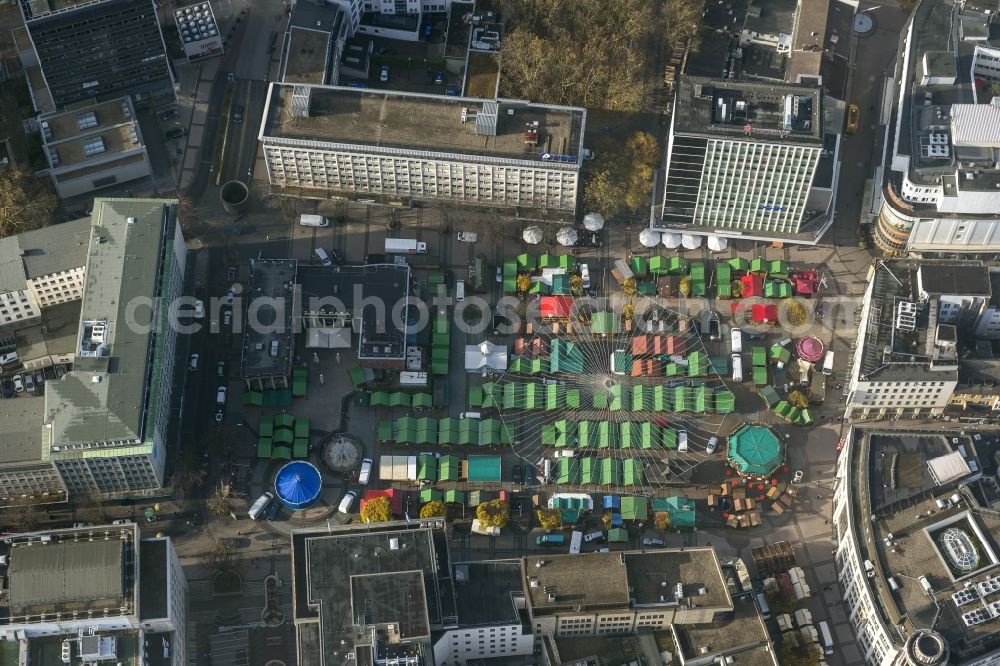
{"x": 594, "y": 535}
{"x": 122, "y": 521}
{"x": 518, "y": 474}
{"x": 383, "y": 74}
{"x": 199, "y": 309}
{"x": 439, "y": 78}
{"x": 585, "y": 275}
{"x": 219, "y": 415}
{"x": 193, "y": 363}
{"x": 9, "y": 358}
{"x": 29, "y": 383}
{"x": 177, "y": 133}
{"x": 799, "y": 475}
{"x": 713, "y": 443}
{"x": 588, "y": 154}
{"x": 169, "y": 114}
{"x": 499, "y": 275}
{"x": 18, "y": 384}
{"x": 227, "y": 318}
{"x": 220, "y": 369}
{"x": 467, "y": 236}
{"x": 652, "y": 541}
{"x": 60, "y": 371}
{"x": 39, "y": 379}
{"x": 8, "y": 388}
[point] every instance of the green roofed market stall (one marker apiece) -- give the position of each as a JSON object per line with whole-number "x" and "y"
{"x": 755, "y": 451}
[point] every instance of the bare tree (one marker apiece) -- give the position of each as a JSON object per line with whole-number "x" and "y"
{"x": 26, "y": 202}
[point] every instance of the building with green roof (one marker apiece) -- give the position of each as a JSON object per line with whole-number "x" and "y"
{"x": 105, "y": 422}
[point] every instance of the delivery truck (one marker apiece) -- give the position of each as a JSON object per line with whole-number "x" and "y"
{"x": 404, "y": 246}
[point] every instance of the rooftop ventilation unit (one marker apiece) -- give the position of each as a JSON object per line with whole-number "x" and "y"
{"x": 906, "y": 316}
{"x": 86, "y": 120}
{"x": 300, "y": 101}
{"x": 486, "y": 119}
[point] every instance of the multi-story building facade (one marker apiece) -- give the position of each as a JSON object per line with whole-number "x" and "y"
{"x": 905, "y": 363}
{"x": 940, "y": 178}
{"x": 741, "y": 160}
{"x": 916, "y": 561}
{"x": 420, "y": 609}
{"x": 94, "y": 146}
{"x": 40, "y": 269}
{"x": 402, "y": 146}
{"x": 94, "y": 594}
{"x": 98, "y": 48}
{"x": 105, "y": 423}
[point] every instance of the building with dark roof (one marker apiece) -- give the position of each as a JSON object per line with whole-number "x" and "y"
{"x": 98, "y": 49}
{"x": 904, "y": 366}
{"x": 723, "y": 130}
{"x": 93, "y": 594}
{"x": 916, "y": 549}
{"x": 358, "y": 588}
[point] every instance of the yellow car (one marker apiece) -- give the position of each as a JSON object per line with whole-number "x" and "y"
{"x": 853, "y": 115}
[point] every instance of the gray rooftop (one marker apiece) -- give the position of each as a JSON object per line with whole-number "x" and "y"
{"x": 63, "y": 574}
{"x": 104, "y": 398}
{"x": 22, "y": 430}
{"x": 485, "y": 592}
{"x": 154, "y": 568}
{"x": 51, "y": 249}
{"x": 394, "y": 122}
{"x": 770, "y": 17}
{"x": 908, "y": 360}
{"x": 55, "y": 248}
{"x": 272, "y": 279}
{"x": 308, "y": 53}
{"x": 329, "y": 288}
{"x": 916, "y": 523}
{"x": 744, "y": 111}
{"x": 335, "y": 571}
{"x": 744, "y": 636}
{"x": 961, "y": 279}
{"x": 611, "y": 580}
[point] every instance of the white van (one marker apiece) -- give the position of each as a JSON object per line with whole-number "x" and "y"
{"x": 682, "y": 441}
{"x": 220, "y": 396}
{"x": 737, "y": 337}
{"x": 260, "y": 506}
{"x": 366, "y": 471}
{"x": 737, "y": 368}
{"x": 470, "y": 415}
{"x": 321, "y": 253}
{"x": 460, "y": 291}
{"x": 826, "y": 637}
{"x": 313, "y": 221}
{"x": 828, "y": 363}
{"x": 347, "y": 502}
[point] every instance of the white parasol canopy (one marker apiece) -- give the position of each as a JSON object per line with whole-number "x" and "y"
{"x": 671, "y": 241}
{"x": 593, "y": 222}
{"x": 532, "y": 235}
{"x": 717, "y": 243}
{"x": 566, "y": 236}
{"x": 649, "y": 238}
{"x": 690, "y": 241}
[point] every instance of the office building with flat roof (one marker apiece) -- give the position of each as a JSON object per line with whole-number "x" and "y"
{"x": 98, "y": 48}
{"x": 742, "y": 159}
{"x": 916, "y": 550}
{"x": 94, "y": 146}
{"x": 939, "y": 185}
{"x": 105, "y": 422}
{"x": 41, "y": 268}
{"x": 313, "y": 42}
{"x": 92, "y": 594}
{"x": 905, "y": 362}
{"x": 377, "y": 593}
{"x": 400, "y": 146}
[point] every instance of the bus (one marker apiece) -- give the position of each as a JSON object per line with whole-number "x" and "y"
{"x": 575, "y": 543}
{"x": 853, "y": 116}
{"x": 550, "y": 540}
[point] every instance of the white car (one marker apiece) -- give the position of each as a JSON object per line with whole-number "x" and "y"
{"x": 383, "y": 74}
{"x": 713, "y": 443}
{"x": 799, "y": 475}
{"x": 193, "y": 363}
{"x": 585, "y": 275}
{"x": 199, "y": 309}
{"x": 565, "y": 453}
{"x": 18, "y": 384}
{"x": 467, "y": 237}
{"x": 499, "y": 275}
